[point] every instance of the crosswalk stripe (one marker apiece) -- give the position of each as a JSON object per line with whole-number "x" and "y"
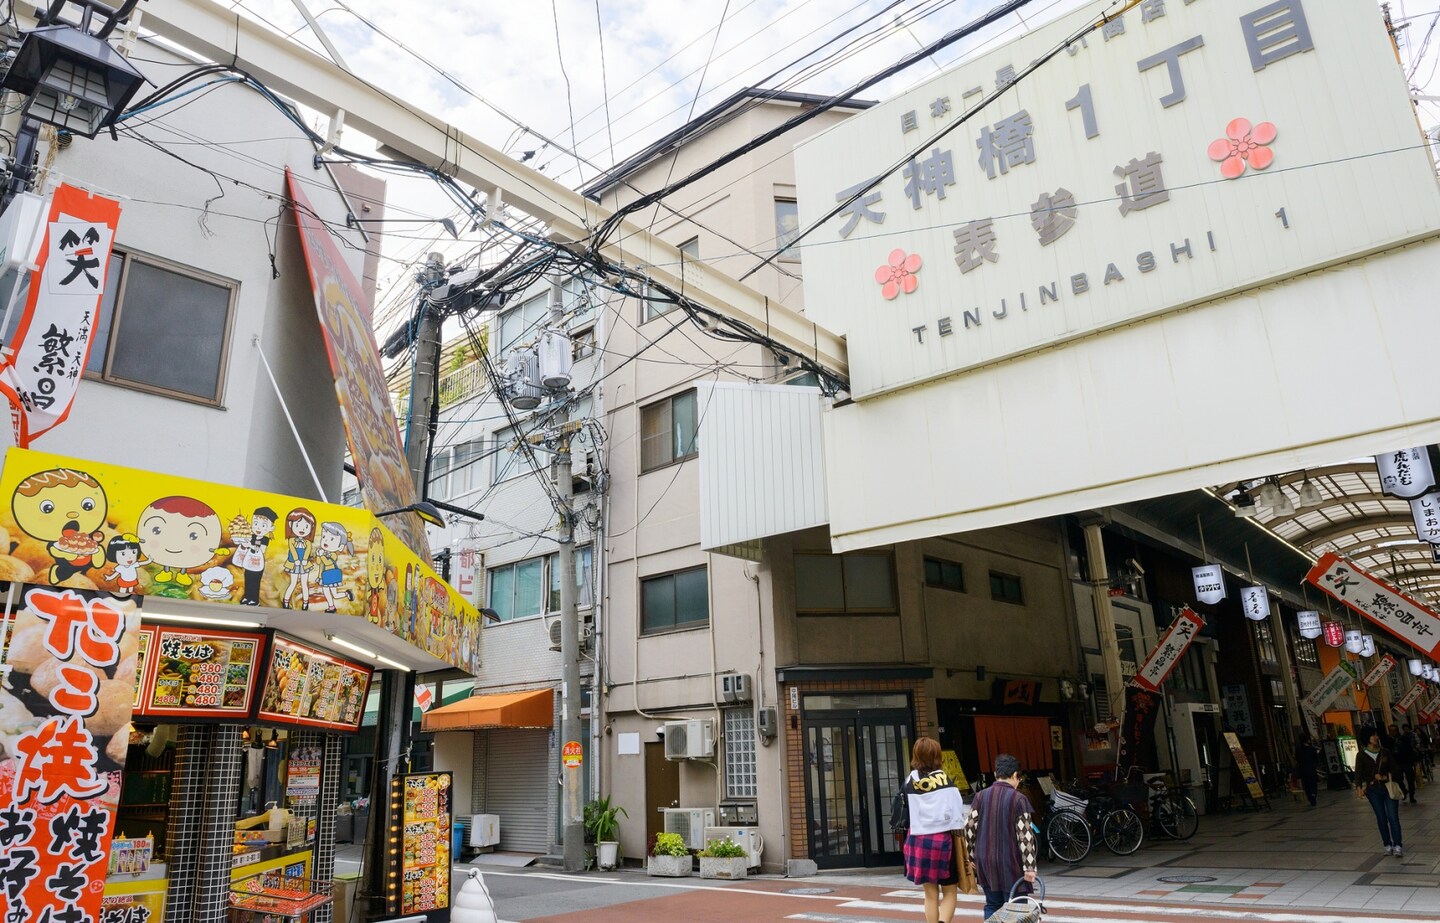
{"x": 1147, "y": 915}
{"x": 1103, "y": 912}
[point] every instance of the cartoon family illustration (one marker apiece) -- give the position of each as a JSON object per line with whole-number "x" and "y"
{"x": 180, "y": 546}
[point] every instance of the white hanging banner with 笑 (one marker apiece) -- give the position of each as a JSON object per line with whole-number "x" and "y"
{"x": 1412, "y": 696}
{"x": 1209, "y": 583}
{"x": 1377, "y": 673}
{"x": 1402, "y": 616}
{"x": 1255, "y": 600}
{"x": 1406, "y": 473}
{"x": 52, "y": 343}
{"x": 1309, "y": 624}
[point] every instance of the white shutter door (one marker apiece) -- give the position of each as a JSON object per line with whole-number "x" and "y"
{"x": 516, "y": 787}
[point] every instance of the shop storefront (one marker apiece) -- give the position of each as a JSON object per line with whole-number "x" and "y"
{"x": 186, "y": 663}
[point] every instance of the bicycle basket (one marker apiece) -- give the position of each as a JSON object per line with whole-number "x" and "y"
{"x": 1063, "y": 799}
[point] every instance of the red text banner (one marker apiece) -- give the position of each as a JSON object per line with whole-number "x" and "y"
{"x": 1171, "y": 647}
{"x": 1377, "y": 673}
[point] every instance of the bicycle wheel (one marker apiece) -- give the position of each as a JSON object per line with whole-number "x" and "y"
{"x": 1178, "y": 817}
{"x": 1068, "y": 836}
{"x": 1122, "y": 831}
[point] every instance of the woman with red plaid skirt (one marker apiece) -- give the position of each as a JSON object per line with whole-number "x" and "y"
{"x": 937, "y": 812}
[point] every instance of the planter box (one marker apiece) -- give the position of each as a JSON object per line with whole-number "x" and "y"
{"x": 669, "y": 866}
{"x": 608, "y": 854}
{"x": 732, "y": 868}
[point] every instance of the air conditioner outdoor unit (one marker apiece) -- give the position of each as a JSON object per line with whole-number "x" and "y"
{"x": 748, "y": 837}
{"x": 690, "y": 739}
{"x": 736, "y": 687}
{"x": 690, "y": 823}
{"x": 484, "y": 830}
{"x": 587, "y": 629}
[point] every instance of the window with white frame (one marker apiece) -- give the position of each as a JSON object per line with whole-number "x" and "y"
{"x": 741, "y": 778}
{"x": 164, "y": 328}
{"x": 787, "y": 228}
{"x": 455, "y": 470}
{"x": 584, "y": 579}
{"x": 522, "y": 322}
{"x": 668, "y": 429}
{"x": 516, "y": 590}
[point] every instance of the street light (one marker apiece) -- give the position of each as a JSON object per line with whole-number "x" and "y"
{"x": 422, "y": 508}
{"x": 73, "y": 80}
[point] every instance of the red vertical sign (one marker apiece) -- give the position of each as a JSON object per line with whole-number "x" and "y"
{"x": 65, "y": 747}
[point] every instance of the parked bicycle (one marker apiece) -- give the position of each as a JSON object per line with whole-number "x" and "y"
{"x": 1172, "y": 813}
{"x": 1074, "y": 823}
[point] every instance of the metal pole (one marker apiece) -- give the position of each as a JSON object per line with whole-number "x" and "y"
{"x": 427, "y": 341}
{"x": 1104, "y": 616}
{"x": 572, "y": 776}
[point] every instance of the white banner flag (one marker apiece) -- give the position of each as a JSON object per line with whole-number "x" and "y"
{"x": 1426, "y": 513}
{"x": 1255, "y": 600}
{"x": 1406, "y": 473}
{"x": 1335, "y": 682}
{"x": 1209, "y": 583}
{"x": 41, "y": 368}
{"x": 1309, "y": 622}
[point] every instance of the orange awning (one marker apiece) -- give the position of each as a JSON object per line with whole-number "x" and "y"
{"x": 534, "y": 709}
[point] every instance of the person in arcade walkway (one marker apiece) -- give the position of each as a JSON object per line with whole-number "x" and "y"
{"x": 1375, "y": 770}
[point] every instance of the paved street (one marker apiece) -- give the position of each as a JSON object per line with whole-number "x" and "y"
{"x": 1289, "y": 864}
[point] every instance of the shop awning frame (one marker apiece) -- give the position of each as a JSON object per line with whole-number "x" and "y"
{"x": 531, "y": 709}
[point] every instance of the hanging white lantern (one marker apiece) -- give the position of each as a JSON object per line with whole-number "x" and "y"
{"x": 1309, "y": 622}
{"x": 1255, "y": 600}
{"x": 1354, "y": 640}
{"x": 1417, "y": 666}
{"x": 1367, "y": 646}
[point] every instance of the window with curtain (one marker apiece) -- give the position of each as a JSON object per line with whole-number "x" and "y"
{"x": 667, "y": 431}
{"x": 515, "y": 589}
{"x": 1027, "y": 739}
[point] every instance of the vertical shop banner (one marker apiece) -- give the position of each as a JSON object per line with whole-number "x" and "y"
{"x": 1334, "y": 634}
{"x": 41, "y": 369}
{"x": 1142, "y": 706}
{"x": 1335, "y": 682}
{"x": 360, "y": 386}
{"x": 1425, "y": 510}
{"x": 1406, "y": 473}
{"x": 1308, "y": 623}
{"x": 65, "y": 730}
{"x": 1168, "y": 651}
{"x": 1405, "y": 618}
{"x": 1209, "y": 583}
{"x": 1255, "y": 600}
{"x": 1237, "y": 710}
{"x": 1412, "y": 695}
{"x": 1377, "y": 672}
{"x": 1431, "y": 709}
{"x": 419, "y": 874}
{"x": 1242, "y": 766}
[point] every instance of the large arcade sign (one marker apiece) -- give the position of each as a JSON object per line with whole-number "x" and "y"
{"x": 1407, "y": 619}
{"x": 1148, "y": 199}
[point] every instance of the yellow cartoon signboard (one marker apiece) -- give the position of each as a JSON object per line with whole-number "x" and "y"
{"x": 68, "y": 522}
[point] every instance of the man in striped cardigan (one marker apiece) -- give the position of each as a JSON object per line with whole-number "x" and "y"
{"x": 999, "y": 836}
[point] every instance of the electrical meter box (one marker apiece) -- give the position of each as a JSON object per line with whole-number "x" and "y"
{"x": 738, "y": 815}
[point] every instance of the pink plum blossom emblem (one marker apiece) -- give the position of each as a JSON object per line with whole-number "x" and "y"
{"x": 898, "y": 275}
{"x": 1242, "y": 146}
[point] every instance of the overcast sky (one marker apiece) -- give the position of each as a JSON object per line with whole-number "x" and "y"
{"x": 539, "y": 63}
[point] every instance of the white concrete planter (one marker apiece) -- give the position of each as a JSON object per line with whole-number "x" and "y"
{"x": 609, "y": 852}
{"x": 669, "y": 866}
{"x": 730, "y": 868}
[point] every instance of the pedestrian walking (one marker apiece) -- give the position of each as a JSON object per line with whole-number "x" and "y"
{"x": 1307, "y": 764}
{"x": 1001, "y": 837}
{"x": 936, "y": 813}
{"x": 1407, "y": 757}
{"x": 1374, "y": 781}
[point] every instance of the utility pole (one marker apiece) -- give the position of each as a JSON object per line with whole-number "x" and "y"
{"x": 572, "y": 775}
{"x": 1104, "y": 615}
{"x": 418, "y": 426}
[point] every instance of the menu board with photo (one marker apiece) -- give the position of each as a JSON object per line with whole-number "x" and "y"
{"x": 302, "y": 776}
{"x": 144, "y": 637}
{"x": 202, "y": 675}
{"x": 312, "y": 688}
{"x": 422, "y": 801}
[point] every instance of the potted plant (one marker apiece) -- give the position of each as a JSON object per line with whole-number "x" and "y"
{"x": 602, "y": 824}
{"x": 723, "y": 859}
{"x": 670, "y": 858}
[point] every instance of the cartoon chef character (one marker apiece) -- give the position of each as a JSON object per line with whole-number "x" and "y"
{"x": 64, "y": 508}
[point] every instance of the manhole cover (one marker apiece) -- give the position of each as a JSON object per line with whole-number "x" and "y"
{"x": 821, "y": 890}
{"x": 1186, "y": 879}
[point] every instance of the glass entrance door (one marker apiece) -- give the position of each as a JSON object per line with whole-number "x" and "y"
{"x": 855, "y": 760}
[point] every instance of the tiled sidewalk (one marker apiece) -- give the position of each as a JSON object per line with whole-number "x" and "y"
{"x": 1290, "y": 856}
